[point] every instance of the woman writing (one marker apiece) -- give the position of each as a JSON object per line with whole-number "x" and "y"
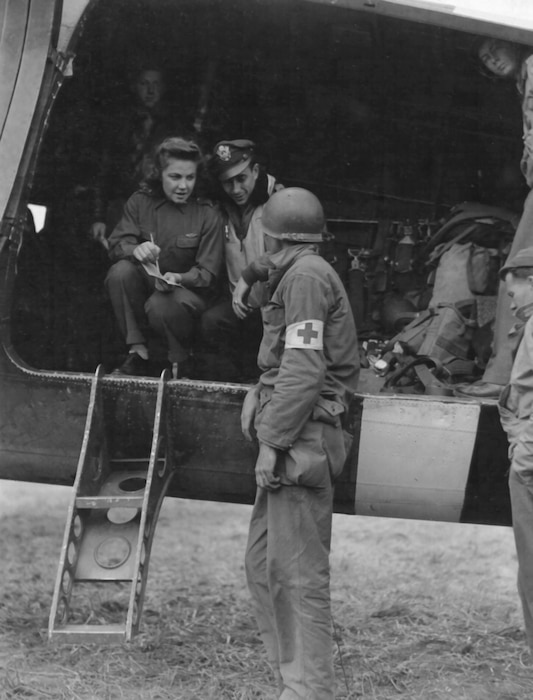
{"x": 164, "y": 225}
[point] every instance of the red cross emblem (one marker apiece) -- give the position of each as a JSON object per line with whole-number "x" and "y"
{"x": 307, "y": 333}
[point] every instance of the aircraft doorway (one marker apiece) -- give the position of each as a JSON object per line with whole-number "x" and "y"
{"x": 384, "y": 119}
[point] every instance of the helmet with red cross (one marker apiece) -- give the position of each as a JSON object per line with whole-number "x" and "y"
{"x": 294, "y": 214}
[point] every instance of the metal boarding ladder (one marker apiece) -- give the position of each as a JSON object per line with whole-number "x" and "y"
{"x": 110, "y": 524}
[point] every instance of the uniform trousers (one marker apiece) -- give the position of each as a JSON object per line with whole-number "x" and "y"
{"x": 138, "y": 307}
{"x": 287, "y": 564}
{"x": 521, "y": 490}
{"x": 233, "y": 342}
{"x": 499, "y": 367}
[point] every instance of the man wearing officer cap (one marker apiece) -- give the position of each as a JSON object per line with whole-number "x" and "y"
{"x": 245, "y": 187}
{"x": 309, "y": 363}
{"x": 516, "y": 413}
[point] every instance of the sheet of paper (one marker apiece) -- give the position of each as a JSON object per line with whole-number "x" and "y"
{"x": 153, "y": 270}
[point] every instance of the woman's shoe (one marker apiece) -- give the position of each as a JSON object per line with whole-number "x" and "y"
{"x": 134, "y": 366}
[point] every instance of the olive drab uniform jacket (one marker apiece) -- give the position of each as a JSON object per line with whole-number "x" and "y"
{"x": 516, "y": 402}
{"x": 308, "y": 355}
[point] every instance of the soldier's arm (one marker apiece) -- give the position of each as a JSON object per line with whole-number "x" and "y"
{"x": 523, "y": 450}
{"x": 126, "y": 235}
{"x": 257, "y": 271}
{"x": 303, "y": 364}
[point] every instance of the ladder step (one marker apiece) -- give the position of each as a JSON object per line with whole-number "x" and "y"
{"x": 96, "y": 634}
{"x": 109, "y": 501}
{"x": 106, "y": 551}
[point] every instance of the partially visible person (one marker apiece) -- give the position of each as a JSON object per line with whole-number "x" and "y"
{"x": 130, "y": 132}
{"x": 245, "y": 187}
{"x": 163, "y": 223}
{"x": 309, "y": 363}
{"x": 510, "y": 62}
{"x": 516, "y": 412}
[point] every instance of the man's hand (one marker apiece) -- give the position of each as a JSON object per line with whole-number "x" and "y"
{"x": 172, "y": 279}
{"x": 146, "y": 252}
{"x": 248, "y": 411}
{"x": 97, "y": 233}
{"x": 265, "y": 466}
{"x": 240, "y": 294}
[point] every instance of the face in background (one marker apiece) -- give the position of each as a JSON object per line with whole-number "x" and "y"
{"x": 500, "y": 57}
{"x": 150, "y": 87}
{"x": 178, "y": 179}
{"x": 520, "y": 291}
{"x": 241, "y": 186}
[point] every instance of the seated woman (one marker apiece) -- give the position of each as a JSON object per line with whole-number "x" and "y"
{"x": 164, "y": 229}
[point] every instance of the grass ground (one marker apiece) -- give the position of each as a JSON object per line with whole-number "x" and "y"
{"x": 422, "y": 611}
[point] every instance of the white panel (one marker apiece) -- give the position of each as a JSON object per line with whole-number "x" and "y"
{"x": 414, "y": 457}
{"x": 507, "y": 19}
{"x": 510, "y": 12}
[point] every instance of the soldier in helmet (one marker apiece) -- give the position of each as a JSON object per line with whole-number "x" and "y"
{"x": 309, "y": 363}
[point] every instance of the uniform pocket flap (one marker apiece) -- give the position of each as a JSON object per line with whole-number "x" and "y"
{"x": 327, "y": 411}
{"x": 188, "y": 240}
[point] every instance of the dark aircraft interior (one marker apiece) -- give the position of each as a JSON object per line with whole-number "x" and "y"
{"x": 390, "y": 123}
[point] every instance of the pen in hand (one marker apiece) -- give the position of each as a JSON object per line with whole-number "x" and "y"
{"x": 154, "y": 257}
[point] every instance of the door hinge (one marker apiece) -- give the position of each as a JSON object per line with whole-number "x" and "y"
{"x": 62, "y": 61}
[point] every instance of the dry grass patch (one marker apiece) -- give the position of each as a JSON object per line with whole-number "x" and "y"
{"x": 422, "y": 611}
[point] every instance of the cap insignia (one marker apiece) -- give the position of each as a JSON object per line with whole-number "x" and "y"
{"x": 224, "y": 153}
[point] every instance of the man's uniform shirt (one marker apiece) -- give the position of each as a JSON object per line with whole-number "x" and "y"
{"x": 240, "y": 252}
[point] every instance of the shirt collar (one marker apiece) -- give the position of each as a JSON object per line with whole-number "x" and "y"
{"x": 161, "y": 200}
{"x": 286, "y": 257}
{"x": 522, "y": 78}
{"x": 524, "y": 312}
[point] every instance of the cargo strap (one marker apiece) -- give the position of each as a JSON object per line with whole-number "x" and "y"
{"x": 111, "y": 521}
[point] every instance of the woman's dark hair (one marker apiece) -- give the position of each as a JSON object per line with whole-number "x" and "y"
{"x": 173, "y": 147}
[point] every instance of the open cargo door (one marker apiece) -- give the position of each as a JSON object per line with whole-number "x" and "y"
{"x": 27, "y": 36}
